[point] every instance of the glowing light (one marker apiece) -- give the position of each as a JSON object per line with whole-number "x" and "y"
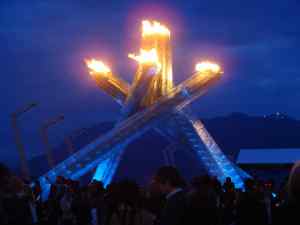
{"x": 205, "y": 67}
{"x": 100, "y": 174}
{"x": 154, "y": 27}
{"x": 97, "y": 66}
{"x": 147, "y": 57}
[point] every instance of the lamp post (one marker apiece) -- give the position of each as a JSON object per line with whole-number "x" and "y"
{"x": 70, "y": 145}
{"x": 18, "y": 140}
{"x": 45, "y": 138}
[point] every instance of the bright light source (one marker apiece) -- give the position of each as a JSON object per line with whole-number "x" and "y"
{"x": 206, "y": 66}
{"x": 97, "y": 66}
{"x": 154, "y": 27}
{"x": 147, "y": 57}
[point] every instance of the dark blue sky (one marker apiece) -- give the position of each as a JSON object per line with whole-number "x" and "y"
{"x": 43, "y": 44}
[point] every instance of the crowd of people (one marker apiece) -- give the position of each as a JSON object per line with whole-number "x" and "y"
{"x": 167, "y": 200}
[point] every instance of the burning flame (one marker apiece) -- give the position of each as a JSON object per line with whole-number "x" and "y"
{"x": 146, "y": 57}
{"x": 205, "y": 67}
{"x": 97, "y": 66}
{"x": 154, "y": 27}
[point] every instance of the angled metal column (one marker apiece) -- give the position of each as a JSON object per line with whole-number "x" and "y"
{"x": 119, "y": 90}
{"x": 96, "y": 152}
{"x": 197, "y": 145}
{"x": 108, "y": 82}
{"x": 148, "y": 85}
{"x": 223, "y": 167}
{"x": 139, "y": 90}
{"x": 168, "y": 154}
{"x": 113, "y": 86}
{"x": 193, "y": 86}
{"x": 106, "y": 170}
{"x": 158, "y": 37}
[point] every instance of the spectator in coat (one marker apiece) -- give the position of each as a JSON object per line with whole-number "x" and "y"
{"x": 288, "y": 213}
{"x": 170, "y": 183}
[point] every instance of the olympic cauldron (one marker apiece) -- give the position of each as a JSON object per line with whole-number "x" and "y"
{"x": 150, "y": 101}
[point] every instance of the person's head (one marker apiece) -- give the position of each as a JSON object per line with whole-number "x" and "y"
{"x": 249, "y": 184}
{"x": 167, "y": 179}
{"x": 228, "y": 180}
{"x": 294, "y": 183}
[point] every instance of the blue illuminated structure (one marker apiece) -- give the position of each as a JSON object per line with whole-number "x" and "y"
{"x": 106, "y": 170}
{"x": 208, "y": 151}
{"x": 152, "y": 100}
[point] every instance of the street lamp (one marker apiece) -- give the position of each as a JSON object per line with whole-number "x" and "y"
{"x": 69, "y": 144}
{"x": 45, "y": 139}
{"x": 18, "y": 140}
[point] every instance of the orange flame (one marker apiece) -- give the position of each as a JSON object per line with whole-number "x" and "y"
{"x": 147, "y": 57}
{"x": 97, "y": 66}
{"x": 206, "y": 66}
{"x": 154, "y": 27}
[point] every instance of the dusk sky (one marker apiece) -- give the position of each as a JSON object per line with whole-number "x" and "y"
{"x": 43, "y": 45}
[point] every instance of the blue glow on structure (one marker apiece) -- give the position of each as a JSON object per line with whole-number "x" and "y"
{"x": 107, "y": 169}
{"x": 107, "y": 149}
{"x": 101, "y": 171}
{"x": 46, "y": 191}
{"x": 213, "y": 158}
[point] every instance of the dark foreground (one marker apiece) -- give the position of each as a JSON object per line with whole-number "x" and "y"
{"x": 168, "y": 200}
